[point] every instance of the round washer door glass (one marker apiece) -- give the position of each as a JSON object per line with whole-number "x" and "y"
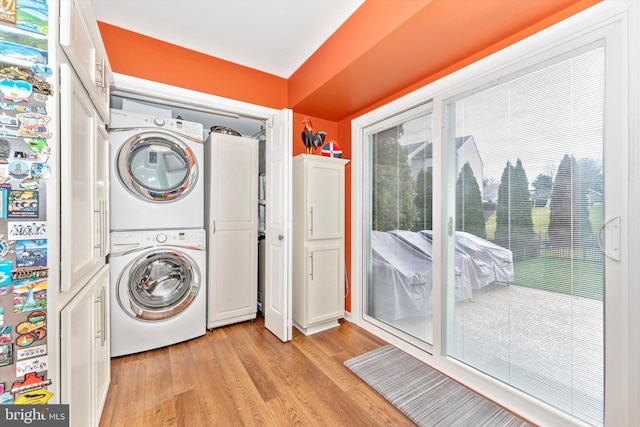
{"x": 157, "y": 166}
{"x": 158, "y": 285}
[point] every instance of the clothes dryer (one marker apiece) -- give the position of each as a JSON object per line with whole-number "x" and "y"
{"x": 156, "y": 169}
{"x": 158, "y": 291}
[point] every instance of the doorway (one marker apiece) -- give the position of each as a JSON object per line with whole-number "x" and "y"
{"x": 273, "y": 129}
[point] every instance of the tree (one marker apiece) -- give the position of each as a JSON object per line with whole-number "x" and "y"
{"x": 514, "y": 223}
{"x": 490, "y": 189}
{"x": 569, "y": 224}
{"x": 503, "y": 218}
{"x": 542, "y": 186}
{"x": 469, "y": 211}
{"x": 393, "y": 189}
{"x": 590, "y": 177}
{"x": 424, "y": 200}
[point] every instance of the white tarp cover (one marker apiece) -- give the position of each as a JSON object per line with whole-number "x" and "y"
{"x": 402, "y": 270}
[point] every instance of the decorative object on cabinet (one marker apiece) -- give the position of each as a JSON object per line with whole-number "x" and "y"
{"x": 331, "y": 149}
{"x": 318, "y": 242}
{"x": 310, "y": 138}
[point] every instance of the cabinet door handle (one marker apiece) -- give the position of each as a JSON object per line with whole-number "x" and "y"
{"x": 99, "y": 308}
{"x": 102, "y": 223}
{"x": 311, "y": 256}
{"x": 101, "y": 81}
{"x": 311, "y": 221}
{"x": 104, "y": 77}
{"x": 103, "y": 291}
{"x": 105, "y": 227}
{"x": 101, "y": 302}
{"x": 98, "y": 223}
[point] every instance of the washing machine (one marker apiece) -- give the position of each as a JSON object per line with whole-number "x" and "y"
{"x": 158, "y": 292}
{"x": 156, "y": 169}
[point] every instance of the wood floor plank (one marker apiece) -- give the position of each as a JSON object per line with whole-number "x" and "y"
{"x": 322, "y": 393}
{"x": 327, "y": 364}
{"x": 287, "y": 414}
{"x": 243, "y": 375}
{"x": 246, "y": 397}
{"x": 159, "y": 393}
{"x": 254, "y": 364}
{"x": 183, "y": 366}
{"x": 127, "y": 392}
{"x": 218, "y": 402}
{"x": 188, "y": 407}
{"x": 162, "y": 413}
{"x": 283, "y": 403}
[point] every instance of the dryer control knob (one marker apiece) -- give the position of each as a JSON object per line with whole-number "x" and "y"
{"x": 161, "y": 238}
{"x": 158, "y": 121}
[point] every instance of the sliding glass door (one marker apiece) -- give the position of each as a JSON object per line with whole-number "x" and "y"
{"x": 400, "y": 202}
{"x": 491, "y": 224}
{"x": 529, "y": 156}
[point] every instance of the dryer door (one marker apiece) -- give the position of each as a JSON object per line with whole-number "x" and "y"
{"x": 158, "y": 285}
{"x": 157, "y": 166}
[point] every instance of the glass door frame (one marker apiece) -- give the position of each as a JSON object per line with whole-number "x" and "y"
{"x": 610, "y": 19}
{"x": 421, "y": 109}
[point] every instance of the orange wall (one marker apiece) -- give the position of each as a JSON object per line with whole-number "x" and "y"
{"x": 140, "y": 56}
{"x": 384, "y": 51}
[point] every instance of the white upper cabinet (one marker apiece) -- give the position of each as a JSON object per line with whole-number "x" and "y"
{"x": 80, "y": 40}
{"x": 84, "y": 184}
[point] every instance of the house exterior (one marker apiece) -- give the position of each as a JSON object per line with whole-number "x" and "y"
{"x": 421, "y": 157}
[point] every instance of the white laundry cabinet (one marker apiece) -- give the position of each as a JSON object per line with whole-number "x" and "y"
{"x": 231, "y": 220}
{"x": 318, "y": 242}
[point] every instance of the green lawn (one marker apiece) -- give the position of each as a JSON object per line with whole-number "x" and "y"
{"x": 582, "y": 278}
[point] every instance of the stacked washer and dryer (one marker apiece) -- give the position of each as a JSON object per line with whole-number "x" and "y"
{"x": 158, "y": 241}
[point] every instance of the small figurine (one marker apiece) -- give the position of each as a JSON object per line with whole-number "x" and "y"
{"x": 310, "y": 138}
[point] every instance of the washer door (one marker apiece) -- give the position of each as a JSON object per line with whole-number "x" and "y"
{"x": 157, "y": 166}
{"x": 158, "y": 285}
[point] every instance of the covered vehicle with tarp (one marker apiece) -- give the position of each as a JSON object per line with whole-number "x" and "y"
{"x": 402, "y": 278}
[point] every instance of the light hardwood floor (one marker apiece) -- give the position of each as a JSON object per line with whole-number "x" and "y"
{"x": 242, "y": 375}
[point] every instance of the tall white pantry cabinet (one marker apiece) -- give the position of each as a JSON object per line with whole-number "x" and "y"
{"x": 83, "y": 301}
{"x": 318, "y": 242}
{"x": 231, "y": 212}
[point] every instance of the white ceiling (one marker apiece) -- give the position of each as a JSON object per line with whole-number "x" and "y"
{"x": 274, "y": 36}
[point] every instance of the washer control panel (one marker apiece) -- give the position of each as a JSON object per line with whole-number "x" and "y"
{"x": 121, "y": 119}
{"x": 125, "y": 241}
